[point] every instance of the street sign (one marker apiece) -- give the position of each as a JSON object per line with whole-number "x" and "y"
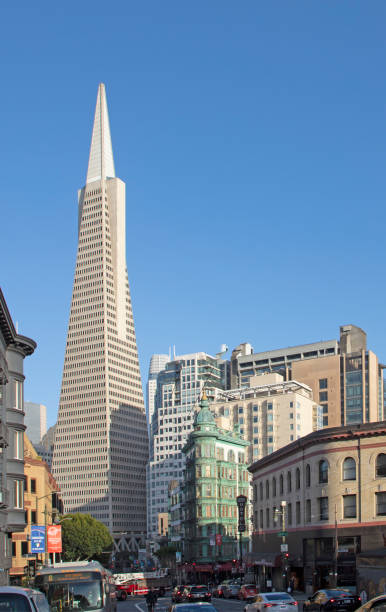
{"x": 241, "y": 501}
{"x": 282, "y": 534}
{"x": 54, "y": 538}
{"x": 38, "y": 539}
{"x": 284, "y": 547}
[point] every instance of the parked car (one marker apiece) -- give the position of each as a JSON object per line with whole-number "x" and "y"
{"x": 284, "y": 601}
{"x": 25, "y": 600}
{"x": 218, "y": 591}
{"x": 248, "y": 592}
{"x": 377, "y": 603}
{"x": 177, "y": 593}
{"x": 332, "y": 599}
{"x": 231, "y": 590}
{"x": 197, "y": 593}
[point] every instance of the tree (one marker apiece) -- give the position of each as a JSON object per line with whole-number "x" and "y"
{"x": 167, "y": 555}
{"x": 84, "y": 537}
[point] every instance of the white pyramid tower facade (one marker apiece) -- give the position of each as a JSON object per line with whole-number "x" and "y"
{"x": 101, "y": 445}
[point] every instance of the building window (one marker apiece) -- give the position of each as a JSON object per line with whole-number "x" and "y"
{"x": 273, "y": 487}
{"x": 267, "y": 489}
{"x": 289, "y": 513}
{"x": 308, "y": 511}
{"x": 323, "y": 508}
{"x": 281, "y": 482}
{"x": 18, "y": 450}
{"x": 13, "y": 549}
{"x": 18, "y": 392}
{"x": 33, "y": 517}
{"x": 241, "y": 420}
{"x": 261, "y": 519}
{"x": 24, "y": 548}
{"x": 289, "y": 482}
{"x": 241, "y": 410}
{"x": 18, "y": 492}
{"x": 261, "y": 490}
{"x": 349, "y": 469}
{"x": 33, "y": 485}
{"x": 381, "y": 503}
{"x": 325, "y": 421}
{"x": 308, "y": 475}
{"x": 323, "y": 383}
{"x": 298, "y": 517}
{"x": 381, "y": 465}
{"x": 297, "y": 478}
{"x": 267, "y": 517}
{"x": 323, "y": 471}
{"x": 323, "y": 396}
{"x": 349, "y": 506}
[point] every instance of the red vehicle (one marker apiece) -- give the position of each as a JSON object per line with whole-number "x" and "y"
{"x": 140, "y": 583}
{"x": 248, "y": 591}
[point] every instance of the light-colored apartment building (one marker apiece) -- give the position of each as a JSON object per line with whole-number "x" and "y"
{"x": 101, "y": 442}
{"x": 333, "y": 485}
{"x": 13, "y": 349}
{"x": 345, "y": 377}
{"x": 179, "y": 388}
{"x": 270, "y": 413}
{"x": 35, "y": 420}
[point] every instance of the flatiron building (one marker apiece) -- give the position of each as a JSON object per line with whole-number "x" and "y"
{"x": 101, "y": 444}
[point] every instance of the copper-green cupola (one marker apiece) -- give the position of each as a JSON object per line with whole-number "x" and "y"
{"x": 204, "y": 416}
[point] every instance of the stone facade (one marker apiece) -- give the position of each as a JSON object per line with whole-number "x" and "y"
{"x": 13, "y": 349}
{"x": 333, "y": 483}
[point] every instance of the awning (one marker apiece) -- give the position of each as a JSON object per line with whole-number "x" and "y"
{"x": 267, "y": 558}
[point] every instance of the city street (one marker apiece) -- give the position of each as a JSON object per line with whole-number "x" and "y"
{"x": 138, "y": 604}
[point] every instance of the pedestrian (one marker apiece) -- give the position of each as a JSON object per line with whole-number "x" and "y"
{"x": 151, "y": 599}
{"x": 363, "y": 596}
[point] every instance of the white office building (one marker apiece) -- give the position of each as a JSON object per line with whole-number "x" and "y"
{"x": 35, "y": 420}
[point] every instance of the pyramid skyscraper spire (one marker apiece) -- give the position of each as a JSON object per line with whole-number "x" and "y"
{"x": 101, "y": 446}
{"x": 101, "y": 160}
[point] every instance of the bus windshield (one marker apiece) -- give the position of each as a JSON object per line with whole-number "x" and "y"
{"x": 82, "y": 595}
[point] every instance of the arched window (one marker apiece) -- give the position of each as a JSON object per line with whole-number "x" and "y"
{"x": 349, "y": 469}
{"x": 231, "y": 455}
{"x": 323, "y": 471}
{"x": 261, "y": 491}
{"x": 267, "y": 489}
{"x": 274, "y": 487}
{"x": 380, "y": 469}
{"x": 289, "y": 482}
{"x": 297, "y": 478}
{"x": 281, "y": 483}
{"x": 308, "y": 475}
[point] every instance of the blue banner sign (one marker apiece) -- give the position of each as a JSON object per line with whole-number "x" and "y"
{"x": 38, "y": 539}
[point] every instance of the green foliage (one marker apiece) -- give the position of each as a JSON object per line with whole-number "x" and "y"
{"x": 84, "y": 537}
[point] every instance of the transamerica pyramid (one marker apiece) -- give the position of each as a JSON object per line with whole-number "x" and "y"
{"x": 101, "y": 446}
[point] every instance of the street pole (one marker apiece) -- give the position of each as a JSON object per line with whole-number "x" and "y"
{"x": 336, "y": 551}
{"x": 283, "y": 547}
{"x": 45, "y": 535}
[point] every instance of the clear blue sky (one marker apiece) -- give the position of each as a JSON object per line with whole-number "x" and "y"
{"x": 251, "y": 136}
